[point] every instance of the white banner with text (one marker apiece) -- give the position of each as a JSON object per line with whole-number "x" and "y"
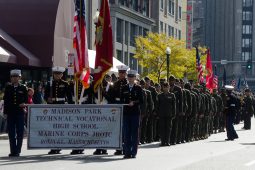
{"x": 75, "y": 126}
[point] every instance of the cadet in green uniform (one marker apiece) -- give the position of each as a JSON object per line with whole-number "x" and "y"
{"x": 219, "y": 110}
{"x": 152, "y": 125}
{"x": 167, "y": 112}
{"x": 248, "y": 109}
{"x": 146, "y": 109}
{"x": 177, "y": 123}
{"x": 15, "y": 97}
{"x": 58, "y": 92}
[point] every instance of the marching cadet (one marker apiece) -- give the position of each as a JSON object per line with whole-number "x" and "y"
{"x": 133, "y": 97}
{"x": 187, "y": 106}
{"x": 177, "y": 124}
{"x": 167, "y": 112}
{"x": 58, "y": 92}
{"x": 146, "y": 110}
{"x": 152, "y": 125}
{"x": 230, "y": 114}
{"x": 248, "y": 109}
{"x": 223, "y": 96}
{"x": 15, "y": 97}
{"x": 116, "y": 91}
{"x": 219, "y": 110}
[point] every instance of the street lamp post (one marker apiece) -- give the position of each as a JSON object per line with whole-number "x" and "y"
{"x": 168, "y": 52}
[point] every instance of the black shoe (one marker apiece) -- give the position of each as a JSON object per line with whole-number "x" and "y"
{"x": 167, "y": 144}
{"x": 133, "y": 156}
{"x": 173, "y": 143}
{"x": 228, "y": 139}
{"x": 162, "y": 144}
{"x": 97, "y": 152}
{"x": 142, "y": 142}
{"x": 127, "y": 156}
{"x": 104, "y": 152}
{"x": 14, "y": 155}
{"x": 118, "y": 152}
{"x": 76, "y": 152}
{"x": 53, "y": 152}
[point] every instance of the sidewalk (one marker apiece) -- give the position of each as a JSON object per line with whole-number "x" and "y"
{"x": 3, "y": 136}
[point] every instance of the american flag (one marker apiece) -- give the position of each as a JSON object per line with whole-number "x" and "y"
{"x": 233, "y": 83}
{"x": 199, "y": 67}
{"x": 215, "y": 81}
{"x": 81, "y": 62}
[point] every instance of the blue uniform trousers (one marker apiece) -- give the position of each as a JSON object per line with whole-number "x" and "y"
{"x": 231, "y": 133}
{"x": 130, "y": 128}
{"x": 15, "y": 125}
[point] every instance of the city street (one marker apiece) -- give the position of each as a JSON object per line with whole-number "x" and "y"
{"x": 213, "y": 153}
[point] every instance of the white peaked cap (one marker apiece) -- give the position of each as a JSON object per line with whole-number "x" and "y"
{"x": 229, "y": 87}
{"x": 58, "y": 69}
{"x": 122, "y": 68}
{"x": 132, "y": 72}
{"x": 15, "y": 72}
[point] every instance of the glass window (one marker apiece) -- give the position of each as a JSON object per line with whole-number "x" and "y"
{"x": 180, "y": 12}
{"x": 119, "y": 55}
{"x": 172, "y": 8}
{"x": 132, "y": 62}
{"x": 247, "y": 3}
{"x": 247, "y": 15}
{"x": 247, "y": 29}
{"x": 134, "y": 4}
{"x": 145, "y": 9}
{"x": 161, "y": 4}
{"x": 119, "y": 30}
{"x": 132, "y": 34}
{"x": 246, "y": 56}
{"x": 169, "y": 30}
{"x": 145, "y": 32}
{"x": 179, "y": 35}
{"x": 169, "y": 6}
{"x": 126, "y": 32}
{"x": 161, "y": 27}
{"x": 126, "y": 58}
{"x": 247, "y": 43}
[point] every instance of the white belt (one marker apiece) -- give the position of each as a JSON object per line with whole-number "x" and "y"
{"x": 117, "y": 99}
{"x": 57, "y": 99}
{"x": 232, "y": 105}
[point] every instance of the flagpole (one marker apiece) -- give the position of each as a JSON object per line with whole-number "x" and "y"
{"x": 82, "y": 93}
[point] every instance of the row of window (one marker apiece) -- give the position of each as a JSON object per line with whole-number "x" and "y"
{"x": 247, "y": 30}
{"x": 172, "y": 32}
{"x": 128, "y": 60}
{"x": 247, "y": 3}
{"x": 170, "y": 8}
{"x": 141, "y": 6}
{"x": 130, "y": 32}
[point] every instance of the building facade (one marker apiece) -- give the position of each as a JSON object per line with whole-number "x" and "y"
{"x": 229, "y": 35}
{"x": 169, "y": 18}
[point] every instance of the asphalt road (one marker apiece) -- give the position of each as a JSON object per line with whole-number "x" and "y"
{"x": 212, "y": 154}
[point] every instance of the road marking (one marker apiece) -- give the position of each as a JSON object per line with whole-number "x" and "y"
{"x": 250, "y": 163}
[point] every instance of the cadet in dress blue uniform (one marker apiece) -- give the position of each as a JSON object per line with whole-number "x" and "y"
{"x": 58, "y": 92}
{"x": 230, "y": 114}
{"x": 116, "y": 91}
{"x": 133, "y": 96}
{"x": 15, "y": 97}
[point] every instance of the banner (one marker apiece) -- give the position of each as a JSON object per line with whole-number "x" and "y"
{"x": 75, "y": 126}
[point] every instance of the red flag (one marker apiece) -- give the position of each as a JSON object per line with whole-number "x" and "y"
{"x": 209, "y": 76}
{"x": 81, "y": 61}
{"x": 104, "y": 46}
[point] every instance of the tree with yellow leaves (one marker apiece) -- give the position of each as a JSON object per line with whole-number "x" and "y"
{"x": 151, "y": 54}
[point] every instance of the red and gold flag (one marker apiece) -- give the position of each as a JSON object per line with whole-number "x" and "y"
{"x": 209, "y": 76}
{"x": 104, "y": 44}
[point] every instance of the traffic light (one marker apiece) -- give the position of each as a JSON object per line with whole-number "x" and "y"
{"x": 249, "y": 64}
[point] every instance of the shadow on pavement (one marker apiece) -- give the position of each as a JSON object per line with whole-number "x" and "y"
{"x": 217, "y": 141}
{"x": 50, "y": 158}
{"x": 150, "y": 146}
{"x": 247, "y": 143}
